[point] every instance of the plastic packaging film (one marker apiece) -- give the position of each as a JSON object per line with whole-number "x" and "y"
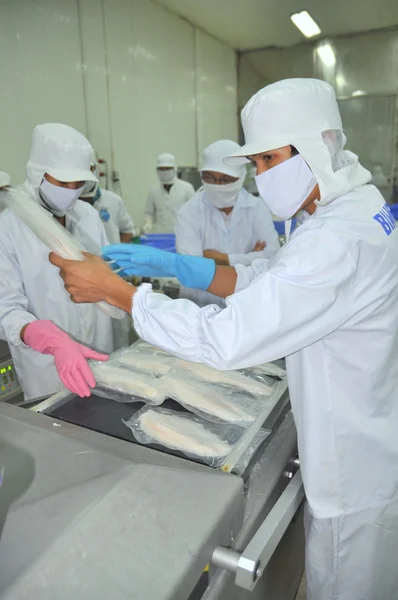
{"x": 155, "y": 364}
{"x": 212, "y": 402}
{"x": 196, "y": 438}
{"x": 125, "y": 385}
{"x": 52, "y": 234}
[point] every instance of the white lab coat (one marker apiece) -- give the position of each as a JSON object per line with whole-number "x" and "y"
{"x": 30, "y": 289}
{"x": 328, "y": 302}
{"x": 114, "y": 215}
{"x": 162, "y": 206}
{"x": 116, "y": 220}
{"x": 200, "y": 226}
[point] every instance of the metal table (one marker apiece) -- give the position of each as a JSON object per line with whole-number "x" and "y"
{"x": 92, "y": 516}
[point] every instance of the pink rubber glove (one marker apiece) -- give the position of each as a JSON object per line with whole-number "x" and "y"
{"x": 70, "y": 356}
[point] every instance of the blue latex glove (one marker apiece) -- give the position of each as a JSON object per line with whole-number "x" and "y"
{"x": 145, "y": 261}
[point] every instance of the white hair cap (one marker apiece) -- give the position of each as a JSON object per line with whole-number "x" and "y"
{"x": 213, "y": 158}
{"x": 302, "y": 113}
{"x": 166, "y": 160}
{"x": 62, "y": 152}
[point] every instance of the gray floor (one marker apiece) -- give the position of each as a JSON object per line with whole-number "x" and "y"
{"x": 301, "y": 594}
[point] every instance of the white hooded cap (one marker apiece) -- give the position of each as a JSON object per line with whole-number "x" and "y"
{"x": 60, "y": 151}
{"x": 5, "y": 179}
{"x": 213, "y": 158}
{"x": 302, "y": 113}
{"x": 166, "y": 160}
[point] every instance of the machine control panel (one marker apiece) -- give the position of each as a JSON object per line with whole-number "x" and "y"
{"x": 9, "y": 384}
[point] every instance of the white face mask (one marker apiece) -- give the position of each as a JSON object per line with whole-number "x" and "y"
{"x": 58, "y": 199}
{"x": 167, "y": 176}
{"x": 285, "y": 188}
{"x": 223, "y": 196}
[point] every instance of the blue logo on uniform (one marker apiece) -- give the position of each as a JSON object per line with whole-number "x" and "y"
{"x": 386, "y": 219}
{"x": 105, "y": 216}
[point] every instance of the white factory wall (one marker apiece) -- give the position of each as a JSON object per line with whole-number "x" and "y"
{"x": 135, "y": 78}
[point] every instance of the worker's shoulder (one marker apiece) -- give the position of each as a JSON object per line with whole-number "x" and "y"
{"x": 6, "y": 218}
{"x": 193, "y": 206}
{"x": 185, "y": 185}
{"x": 84, "y": 210}
{"x": 247, "y": 200}
{"x": 112, "y": 197}
{"x": 154, "y": 190}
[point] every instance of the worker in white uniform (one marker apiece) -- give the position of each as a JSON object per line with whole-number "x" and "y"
{"x": 118, "y": 227}
{"x": 118, "y": 224}
{"x": 166, "y": 197}
{"x": 223, "y": 221}
{"x": 35, "y": 310}
{"x": 5, "y": 182}
{"x": 327, "y": 301}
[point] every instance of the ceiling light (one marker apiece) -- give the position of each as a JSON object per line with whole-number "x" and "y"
{"x": 306, "y": 24}
{"x": 358, "y": 93}
{"x": 326, "y": 54}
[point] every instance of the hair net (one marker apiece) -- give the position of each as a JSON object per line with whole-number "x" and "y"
{"x": 302, "y": 113}
{"x": 60, "y": 151}
{"x": 166, "y": 160}
{"x": 213, "y": 158}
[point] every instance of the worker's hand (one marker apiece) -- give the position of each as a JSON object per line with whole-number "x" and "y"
{"x": 220, "y": 257}
{"x": 87, "y": 280}
{"x": 92, "y": 280}
{"x": 134, "y": 259}
{"x": 70, "y": 357}
{"x": 259, "y": 247}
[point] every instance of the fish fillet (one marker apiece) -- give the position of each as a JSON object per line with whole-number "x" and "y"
{"x": 53, "y": 235}
{"x": 145, "y": 362}
{"x": 182, "y": 434}
{"x": 190, "y": 395}
{"x": 269, "y": 369}
{"x": 129, "y": 382}
{"x": 227, "y": 377}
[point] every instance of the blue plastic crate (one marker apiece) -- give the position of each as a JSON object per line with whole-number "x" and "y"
{"x": 162, "y": 241}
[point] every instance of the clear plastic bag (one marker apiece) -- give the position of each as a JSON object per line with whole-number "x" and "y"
{"x": 141, "y": 346}
{"x": 247, "y": 382}
{"x": 216, "y": 403}
{"x": 265, "y": 369}
{"x": 148, "y": 362}
{"x": 194, "y": 437}
{"x": 127, "y": 385}
{"x": 52, "y": 234}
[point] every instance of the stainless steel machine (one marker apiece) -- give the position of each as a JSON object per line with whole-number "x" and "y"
{"x": 10, "y": 390}
{"x": 87, "y": 512}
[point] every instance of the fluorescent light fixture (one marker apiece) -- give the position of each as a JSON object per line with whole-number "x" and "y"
{"x": 306, "y": 24}
{"x": 326, "y": 54}
{"x": 358, "y": 93}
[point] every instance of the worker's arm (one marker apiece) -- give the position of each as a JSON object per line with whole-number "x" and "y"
{"x": 188, "y": 235}
{"x": 125, "y": 223}
{"x": 150, "y": 207}
{"x": 291, "y": 306}
{"x": 14, "y": 314}
{"x": 299, "y": 301}
{"x": 264, "y": 231}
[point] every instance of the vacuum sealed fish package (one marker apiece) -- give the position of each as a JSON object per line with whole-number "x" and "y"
{"x": 130, "y": 358}
{"x": 214, "y": 402}
{"x": 194, "y": 437}
{"x": 125, "y": 385}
